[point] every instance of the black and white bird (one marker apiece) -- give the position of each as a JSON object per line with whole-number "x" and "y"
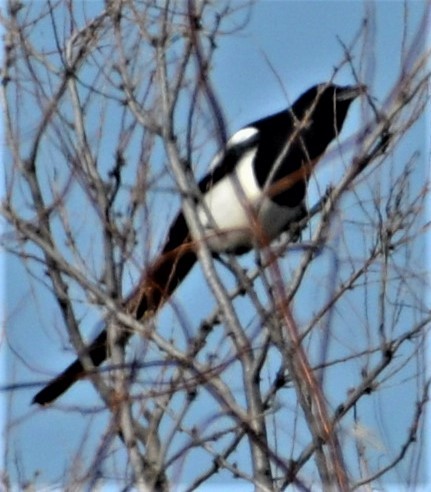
{"x": 251, "y": 195}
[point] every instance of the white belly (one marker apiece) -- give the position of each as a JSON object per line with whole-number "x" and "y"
{"x": 236, "y": 215}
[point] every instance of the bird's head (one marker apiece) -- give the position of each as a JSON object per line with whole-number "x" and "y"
{"x": 326, "y": 105}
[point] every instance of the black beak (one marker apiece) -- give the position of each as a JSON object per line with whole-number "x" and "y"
{"x": 350, "y": 92}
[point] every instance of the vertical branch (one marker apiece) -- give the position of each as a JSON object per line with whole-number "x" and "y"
{"x": 251, "y": 381}
{"x": 310, "y": 396}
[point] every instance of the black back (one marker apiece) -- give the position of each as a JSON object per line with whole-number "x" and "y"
{"x": 322, "y": 110}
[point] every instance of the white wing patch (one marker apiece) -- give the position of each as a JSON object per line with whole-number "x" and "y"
{"x": 242, "y": 137}
{"x": 239, "y": 139}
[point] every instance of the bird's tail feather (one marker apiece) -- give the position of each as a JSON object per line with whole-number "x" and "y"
{"x": 155, "y": 287}
{"x": 96, "y": 351}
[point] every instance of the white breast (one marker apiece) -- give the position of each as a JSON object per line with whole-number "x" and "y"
{"x": 236, "y": 215}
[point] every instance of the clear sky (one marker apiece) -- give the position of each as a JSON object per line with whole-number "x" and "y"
{"x": 292, "y": 43}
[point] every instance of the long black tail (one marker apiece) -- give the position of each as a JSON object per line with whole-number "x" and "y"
{"x": 157, "y": 284}
{"x": 60, "y": 384}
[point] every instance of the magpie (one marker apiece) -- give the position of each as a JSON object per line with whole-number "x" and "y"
{"x": 253, "y": 192}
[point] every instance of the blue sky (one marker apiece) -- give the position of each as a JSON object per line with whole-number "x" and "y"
{"x": 295, "y": 44}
